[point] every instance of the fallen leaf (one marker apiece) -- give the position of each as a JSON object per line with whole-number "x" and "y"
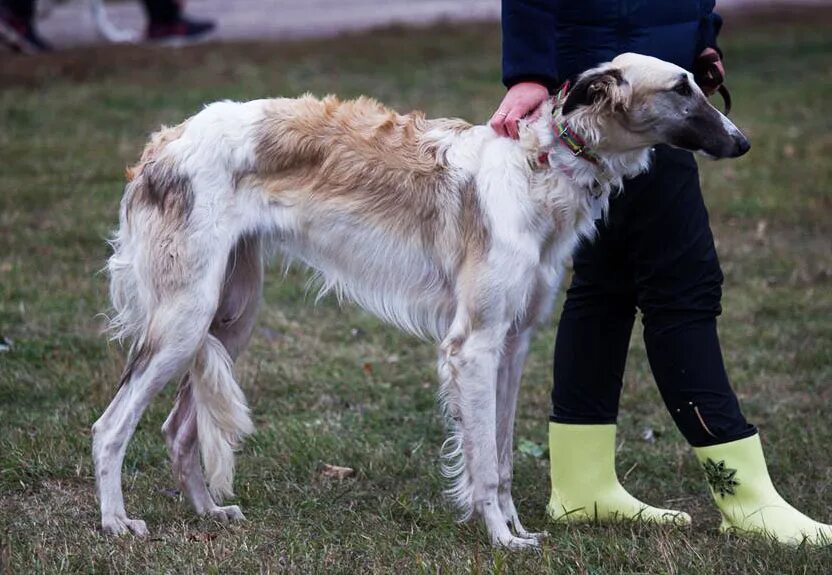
{"x": 729, "y": 173}
{"x": 204, "y": 537}
{"x": 336, "y": 471}
{"x": 531, "y": 448}
{"x": 760, "y": 234}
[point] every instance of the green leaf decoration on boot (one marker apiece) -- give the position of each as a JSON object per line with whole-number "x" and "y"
{"x": 756, "y": 509}
{"x": 722, "y": 479}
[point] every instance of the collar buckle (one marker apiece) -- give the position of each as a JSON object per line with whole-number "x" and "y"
{"x": 574, "y": 143}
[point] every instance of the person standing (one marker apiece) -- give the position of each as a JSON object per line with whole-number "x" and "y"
{"x": 165, "y": 23}
{"x": 655, "y": 252}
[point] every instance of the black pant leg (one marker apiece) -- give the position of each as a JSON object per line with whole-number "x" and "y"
{"x": 23, "y": 9}
{"x": 679, "y": 288}
{"x": 162, "y": 11}
{"x": 595, "y": 326}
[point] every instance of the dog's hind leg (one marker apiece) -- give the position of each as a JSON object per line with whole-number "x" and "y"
{"x": 181, "y": 437}
{"x": 176, "y": 332}
{"x": 232, "y": 326}
{"x": 182, "y": 288}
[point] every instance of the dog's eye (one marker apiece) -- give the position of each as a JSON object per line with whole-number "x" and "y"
{"x": 683, "y": 88}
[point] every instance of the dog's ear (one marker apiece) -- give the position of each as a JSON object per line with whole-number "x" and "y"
{"x": 605, "y": 88}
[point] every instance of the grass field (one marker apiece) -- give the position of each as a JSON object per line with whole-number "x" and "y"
{"x": 330, "y": 385}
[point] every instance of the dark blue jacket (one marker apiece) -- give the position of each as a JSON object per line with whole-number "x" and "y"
{"x": 551, "y": 40}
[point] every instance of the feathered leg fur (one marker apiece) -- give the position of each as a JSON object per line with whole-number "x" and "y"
{"x": 232, "y": 326}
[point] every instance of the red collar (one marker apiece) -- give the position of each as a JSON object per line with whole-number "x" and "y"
{"x": 566, "y": 136}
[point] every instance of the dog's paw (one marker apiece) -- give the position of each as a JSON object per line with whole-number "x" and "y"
{"x": 518, "y": 543}
{"x": 536, "y": 536}
{"x": 120, "y": 525}
{"x": 226, "y": 514}
{"x": 513, "y": 521}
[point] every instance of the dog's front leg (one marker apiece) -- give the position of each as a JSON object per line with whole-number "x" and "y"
{"x": 469, "y": 367}
{"x": 508, "y": 387}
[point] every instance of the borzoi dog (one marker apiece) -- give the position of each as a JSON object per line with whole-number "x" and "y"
{"x": 437, "y": 226}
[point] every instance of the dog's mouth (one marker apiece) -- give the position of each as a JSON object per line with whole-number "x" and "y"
{"x": 709, "y": 133}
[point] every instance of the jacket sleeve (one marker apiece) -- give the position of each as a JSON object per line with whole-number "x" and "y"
{"x": 709, "y": 26}
{"x": 529, "y": 42}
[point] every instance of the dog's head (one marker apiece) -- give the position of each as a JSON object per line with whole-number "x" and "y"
{"x": 637, "y": 101}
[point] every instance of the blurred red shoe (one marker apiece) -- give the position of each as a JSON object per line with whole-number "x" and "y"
{"x": 182, "y": 31}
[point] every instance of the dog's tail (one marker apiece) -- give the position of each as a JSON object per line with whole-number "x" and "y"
{"x": 222, "y": 415}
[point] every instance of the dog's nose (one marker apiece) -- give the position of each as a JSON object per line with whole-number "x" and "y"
{"x": 741, "y": 146}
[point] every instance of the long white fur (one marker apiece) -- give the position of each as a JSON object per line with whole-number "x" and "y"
{"x": 222, "y": 415}
{"x": 397, "y": 284}
{"x": 534, "y": 217}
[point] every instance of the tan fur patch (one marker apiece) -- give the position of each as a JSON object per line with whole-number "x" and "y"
{"x": 369, "y": 160}
{"x": 157, "y": 143}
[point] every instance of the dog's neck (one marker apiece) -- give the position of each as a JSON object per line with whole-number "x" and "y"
{"x": 602, "y": 174}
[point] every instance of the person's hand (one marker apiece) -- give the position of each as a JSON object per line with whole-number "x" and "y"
{"x": 714, "y": 74}
{"x": 521, "y": 99}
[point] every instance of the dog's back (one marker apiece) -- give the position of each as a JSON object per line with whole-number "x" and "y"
{"x": 363, "y": 195}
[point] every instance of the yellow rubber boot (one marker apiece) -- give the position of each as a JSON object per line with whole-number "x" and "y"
{"x": 585, "y": 487}
{"x": 744, "y": 494}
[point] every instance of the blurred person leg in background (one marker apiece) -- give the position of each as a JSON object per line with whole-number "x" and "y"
{"x": 17, "y": 28}
{"x": 166, "y": 24}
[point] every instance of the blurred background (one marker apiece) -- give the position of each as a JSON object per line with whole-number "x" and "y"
{"x": 68, "y": 23}
{"x": 331, "y": 385}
